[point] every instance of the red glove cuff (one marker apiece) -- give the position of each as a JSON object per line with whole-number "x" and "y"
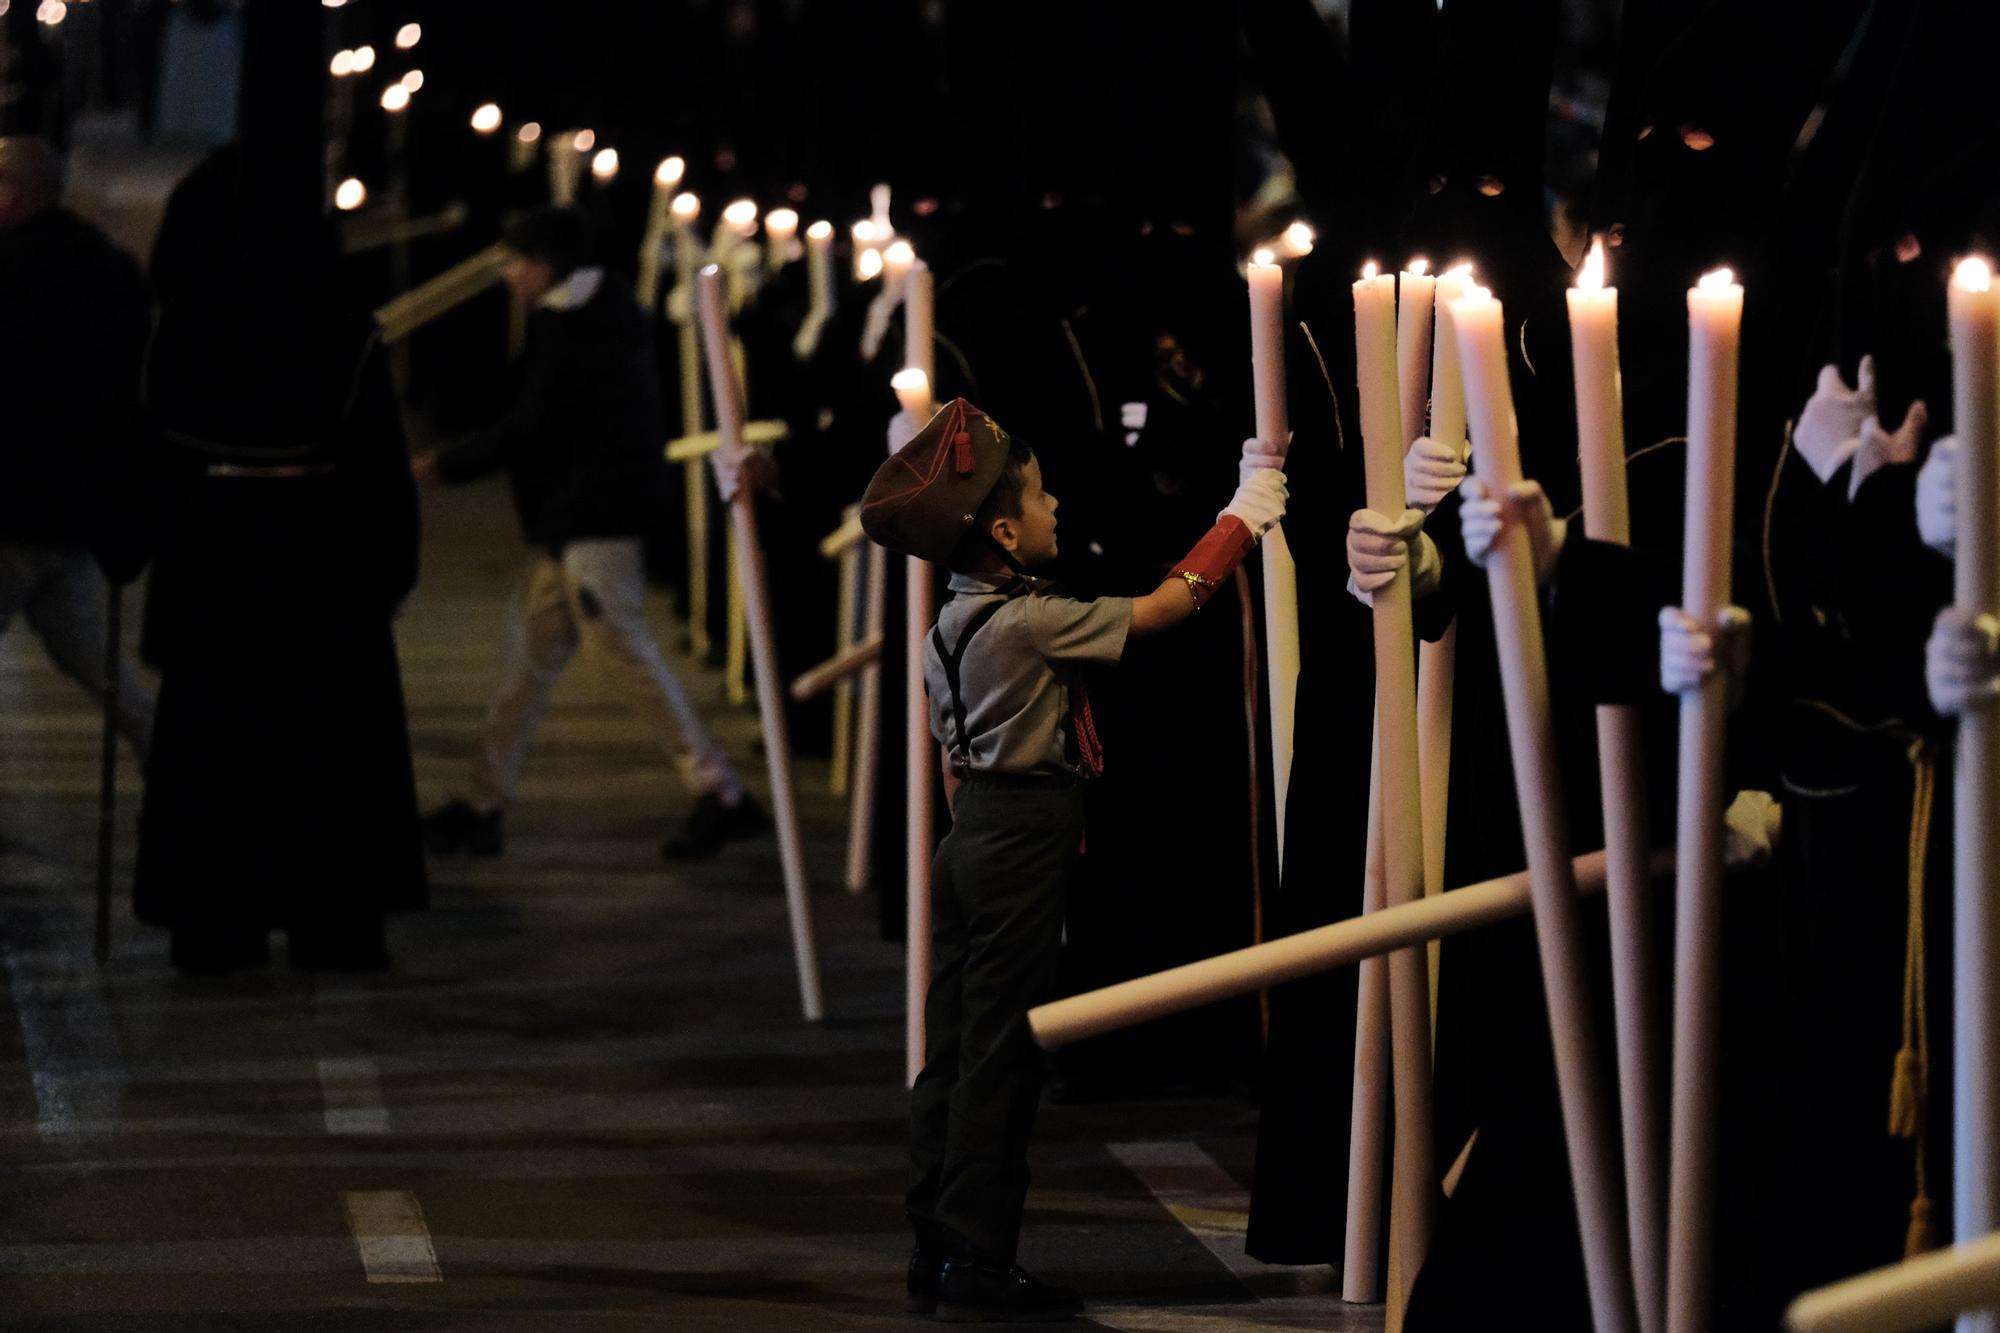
{"x": 1215, "y": 557}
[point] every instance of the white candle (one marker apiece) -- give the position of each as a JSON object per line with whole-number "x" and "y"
{"x": 1600, "y": 432}
{"x": 1517, "y": 630}
{"x": 1416, "y": 291}
{"x": 781, "y": 229}
{"x": 740, "y": 218}
{"x": 896, "y": 263}
{"x": 1715, "y": 316}
{"x": 666, "y": 177}
{"x": 819, "y": 266}
{"x": 1398, "y": 795}
{"x": 1281, "y": 593}
{"x": 1974, "y": 315}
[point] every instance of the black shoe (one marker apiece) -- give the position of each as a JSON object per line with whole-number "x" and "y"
{"x": 710, "y": 824}
{"x": 458, "y": 829}
{"x": 925, "y": 1265}
{"x": 974, "y": 1293}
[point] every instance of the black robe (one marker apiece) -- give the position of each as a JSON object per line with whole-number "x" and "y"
{"x": 281, "y": 792}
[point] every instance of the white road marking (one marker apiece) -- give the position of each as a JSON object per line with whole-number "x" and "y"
{"x": 353, "y": 1091}
{"x": 389, "y": 1231}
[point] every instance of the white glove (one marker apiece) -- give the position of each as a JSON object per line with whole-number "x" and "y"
{"x": 1259, "y": 501}
{"x": 1829, "y": 429}
{"x": 1937, "y": 498}
{"x": 749, "y": 466}
{"x": 1482, "y": 519}
{"x": 1880, "y": 448}
{"x": 1962, "y": 662}
{"x": 1378, "y": 547}
{"x": 1689, "y": 654}
{"x": 1750, "y": 829}
{"x": 1432, "y": 470}
{"x": 1263, "y": 454}
{"x": 902, "y": 429}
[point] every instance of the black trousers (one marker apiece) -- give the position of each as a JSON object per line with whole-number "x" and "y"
{"x": 998, "y": 887}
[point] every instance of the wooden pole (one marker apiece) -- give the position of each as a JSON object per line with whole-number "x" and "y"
{"x": 763, "y": 645}
{"x": 1600, "y": 420}
{"x": 1517, "y": 628}
{"x": 867, "y": 726}
{"x": 1415, "y": 1179}
{"x": 841, "y": 768}
{"x": 1361, "y": 1259}
{"x": 1342, "y": 944}
{"x": 1711, "y": 483}
{"x": 1975, "y": 348}
{"x": 921, "y": 754}
{"x": 1919, "y": 1293}
{"x": 694, "y": 484}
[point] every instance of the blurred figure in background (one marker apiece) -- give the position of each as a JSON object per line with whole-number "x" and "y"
{"x": 74, "y": 319}
{"x": 582, "y": 445}
{"x": 282, "y": 795}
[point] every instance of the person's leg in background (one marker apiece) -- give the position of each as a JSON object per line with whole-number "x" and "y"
{"x": 539, "y": 639}
{"x": 66, "y": 607}
{"x": 607, "y": 589}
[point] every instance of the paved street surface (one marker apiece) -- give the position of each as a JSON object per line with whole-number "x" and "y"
{"x": 583, "y": 1098}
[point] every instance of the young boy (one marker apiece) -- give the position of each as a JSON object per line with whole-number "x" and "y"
{"x": 581, "y": 445}
{"x": 1008, "y": 706}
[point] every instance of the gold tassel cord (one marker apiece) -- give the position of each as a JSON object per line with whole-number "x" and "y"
{"x": 1909, "y": 1086}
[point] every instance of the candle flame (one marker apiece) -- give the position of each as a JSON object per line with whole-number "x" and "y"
{"x": 395, "y": 97}
{"x": 1263, "y": 258}
{"x": 1462, "y": 270}
{"x": 686, "y": 206}
{"x": 529, "y": 132}
{"x": 1368, "y": 269}
{"x": 487, "y": 118}
{"x": 820, "y": 231}
{"x": 1973, "y": 274}
{"x": 740, "y": 212}
{"x": 1721, "y": 280}
{"x": 1591, "y": 277}
{"x": 782, "y": 220}
{"x": 909, "y": 379}
{"x": 605, "y": 165}
{"x": 900, "y": 252}
{"x": 670, "y": 170}
{"x": 350, "y": 196}
{"x": 1299, "y": 237}
{"x": 364, "y": 59}
{"x": 342, "y": 65}
{"x": 414, "y": 80}
{"x": 870, "y": 264}
{"x": 584, "y": 140}
{"x": 1418, "y": 267}
{"x": 409, "y": 35}
{"x": 864, "y": 231}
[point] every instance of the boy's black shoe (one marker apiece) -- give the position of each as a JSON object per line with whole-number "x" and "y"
{"x": 925, "y": 1265}
{"x": 974, "y": 1293}
{"x": 710, "y": 824}
{"x": 457, "y": 829}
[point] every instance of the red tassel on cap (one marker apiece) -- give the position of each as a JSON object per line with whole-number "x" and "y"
{"x": 962, "y": 442}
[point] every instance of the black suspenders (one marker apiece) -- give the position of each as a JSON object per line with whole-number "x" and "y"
{"x": 950, "y": 659}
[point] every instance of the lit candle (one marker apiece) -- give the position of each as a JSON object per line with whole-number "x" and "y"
{"x": 781, "y": 228}
{"x": 868, "y": 243}
{"x": 1396, "y": 791}
{"x": 604, "y": 167}
{"x": 486, "y": 119}
{"x": 1298, "y": 240}
{"x": 896, "y": 262}
{"x": 666, "y": 177}
{"x": 1281, "y": 590}
{"x": 1416, "y": 292}
{"x": 913, "y": 393}
{"x": 1973, "y": 304}
{"x": 1447, "y": 385}
{"x": 1600, "y": 432}
{"x": 1517, "y": 630}
{"x": 819, "y": 266}
{"x": 740, "y": 217}
{"x": 1715, "y": 317}
{"x": 522, "y": 155}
